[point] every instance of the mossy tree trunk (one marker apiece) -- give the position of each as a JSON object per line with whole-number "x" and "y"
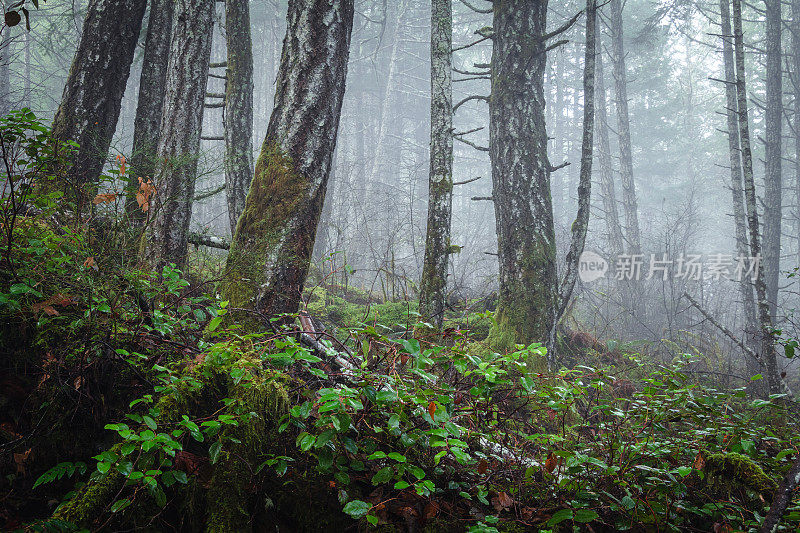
{"x": 238, "y": 107}
{"x": 91, "y": 103}
{"x": 521, "y": 177}
{"x": 433, "y": 288}
{"x": 179, "y": 142}
{"x": 269, "y": 258}
{"x": 152, "y": 89}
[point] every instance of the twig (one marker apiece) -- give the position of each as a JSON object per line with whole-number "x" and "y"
{"x": 731, "y": 336}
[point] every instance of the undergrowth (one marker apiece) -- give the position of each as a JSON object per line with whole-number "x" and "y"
{"x": 129, "y": 402}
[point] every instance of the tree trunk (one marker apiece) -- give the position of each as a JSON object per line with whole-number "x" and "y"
{"x": 269, "y": 258}
{"x": 796, "y": 86}
{"x": 772, "y": 154}
{"x": 238, "y": 108}
{"x": 379, "y": 161}
{"x": 521, "y": 178}
{"x": 92, "y": 98}
{"x": 624, "y": 130}
{"x": 433, "y": 287}
{"x": 321, "y": 242}
{"x": 181, "y": 124}
{"x": 581, "y": 224}
{"x": 610, "y": 211}
{"x": 5, "y": 71}
{"x": 766, "y": 340}
{"x": 28, "y": 96}
{"x": 152, "y": 88}
{"x": 740, "y": 223}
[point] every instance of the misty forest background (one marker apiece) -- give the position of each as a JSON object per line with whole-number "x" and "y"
{"x": 375, "y": 208}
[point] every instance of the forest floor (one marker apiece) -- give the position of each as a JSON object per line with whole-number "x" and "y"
{"x": 130, "y": 400}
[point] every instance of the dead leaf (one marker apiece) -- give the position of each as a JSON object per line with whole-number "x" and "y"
{"x": 699, "y": 461}
{"x": 47, "y": 305}
{"x": 78, "y": 382}
{"x": 121, "y": 160}
{"x": 431, "y": 510}
{"x": 551, "y": 463}
{"x": 408, "y": 512}
{"x": 483, "y": 466}
{"x": 505, "y": 500}
{"x": 104, "y": 198}
{"x": 432, "y": 409}
{"x": 90, "y": 263}
{"x": 146, "y": 190}
{"x": 19, "y": 461}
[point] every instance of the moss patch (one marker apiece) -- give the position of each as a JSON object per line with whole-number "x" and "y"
{"x": 731, "y": 470}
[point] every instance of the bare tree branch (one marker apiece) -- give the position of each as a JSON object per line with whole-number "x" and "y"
{"x": 476, "y": 9}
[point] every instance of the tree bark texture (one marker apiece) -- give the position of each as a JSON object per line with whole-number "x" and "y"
{"x": 269, "y": 258}
{"x": 773, "y": 118}
{"x": 152, "y": 88}
{"x": 624, "y": 130}
{"x": 766, "y": 340}
{"x": 795, "y": 67}
{"x": 238, "y": 107}
{"x": 92, "y": 98}
{"x": 521, "y": 177}
{"x": 740, "y": 222}
{"x": 181, "y": 124}
{"x": 433, "y": 288}
{"x": 610, "y": 212}
{"x": 581, "y": 224}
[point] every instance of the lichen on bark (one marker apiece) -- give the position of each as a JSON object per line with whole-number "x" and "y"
{"x": 521, "y": 179}
{"x": 433, "y": 285}
{"x": 271, "y": 248}
{"x": 179, "y": 142}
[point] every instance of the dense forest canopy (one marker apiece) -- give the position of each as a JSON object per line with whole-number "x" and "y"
{"x": 408, "y": 265}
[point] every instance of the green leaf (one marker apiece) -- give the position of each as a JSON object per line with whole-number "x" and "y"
{"x": 103, "y": 467}
{"x": 627, "y": 503}
{"x": 305, "y": 441}
{"x": 560, "y": 516}
{"x": 357, "y": 508}
{"x": 397, "y": 457}
{"x": 149, "y": 422}
{"x": 584, "y": 516}
{"x": 128, "y": 448}
{"x": 372, "y": 519}
{"x": 119, "y": 505}
{"x": 213, "y": 451}
{"x": 684, "y": 470}
{"x": 214, "y": 324}
{"x": 383, "y": 475}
